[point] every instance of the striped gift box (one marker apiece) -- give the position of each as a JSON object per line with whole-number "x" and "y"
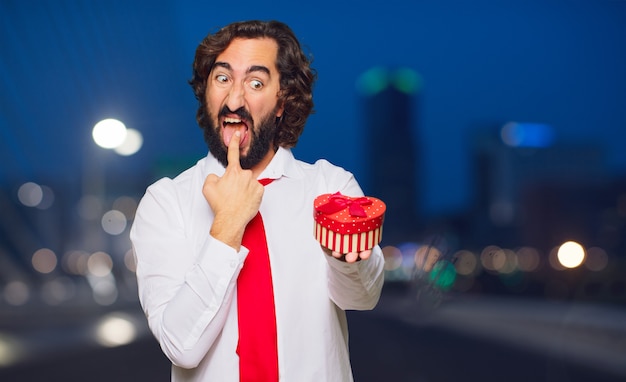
{"x": 348, "y": 224}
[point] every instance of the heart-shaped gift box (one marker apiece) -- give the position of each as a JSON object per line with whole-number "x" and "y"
{"x": 348, "y": 224}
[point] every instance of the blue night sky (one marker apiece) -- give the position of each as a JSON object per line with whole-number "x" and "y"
{"x": 67, "y": 64}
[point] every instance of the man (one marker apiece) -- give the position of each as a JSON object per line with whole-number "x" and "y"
{"x": 254, "y": 87}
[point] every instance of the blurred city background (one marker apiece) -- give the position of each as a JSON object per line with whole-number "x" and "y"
{"x": 494, "y": 130}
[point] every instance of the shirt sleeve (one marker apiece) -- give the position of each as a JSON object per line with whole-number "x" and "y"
{"x": 356, "y": 286}
{"x": 185, "y": 289}
{"x": 353, "y": 286}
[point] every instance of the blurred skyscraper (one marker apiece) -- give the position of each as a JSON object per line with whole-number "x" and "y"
{"x": 392, "y": 167}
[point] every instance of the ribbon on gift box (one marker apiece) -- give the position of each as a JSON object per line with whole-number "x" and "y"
{"x": 337, "y": 202}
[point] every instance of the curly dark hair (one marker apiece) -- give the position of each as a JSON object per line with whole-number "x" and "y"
{"x": 296, "y": 75}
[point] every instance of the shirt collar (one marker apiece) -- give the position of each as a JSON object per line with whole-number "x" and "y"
{"x": 282, "y": 164}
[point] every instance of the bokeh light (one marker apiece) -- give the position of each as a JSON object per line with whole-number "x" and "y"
{"x": 393, "y": 257}
{"x": 571, "y": 254}
{"x": 99, "y": 264}
{"x": 11, "y": 350}
{"x": 109, "y": 133}
{"x": 377, "y": 79}
{"x": 466, "y": 263}
{"x": 131, "y": 144}
{"x": 30, "y": 194}
{"x": 373, "y": 81}
{"x": 510, "y": 262}
{"x": 553, "y": 259}
{"x": 47, "y": 198}
{"x": 126, "y": 205}
{"x": 407, "y": 80}
{"x": 16, "y": 293}
{"x": 130, "y": 261}
{"x": 104, "y": 289}
{"x": 597, "y": 259}
{"x": 115, "y": 329}
{"x": 401, "y": 261}
{"x": 75, "y": 262}
{"x": 518, "y": 134}
{"x": 426, "y": 257}
{"x": 528, "y": 259}
{"x": 101, "y": 279}
{"x": 114, "y": 222}
{"x": 443, "y": 275}
{"x": 44, "y": 260}
{"x": 492, "y": 258}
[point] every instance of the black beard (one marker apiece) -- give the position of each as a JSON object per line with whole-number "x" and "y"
{"x": 261, "y": 139}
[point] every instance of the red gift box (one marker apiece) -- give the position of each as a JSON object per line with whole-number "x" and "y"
{"x": 348, "y": 224}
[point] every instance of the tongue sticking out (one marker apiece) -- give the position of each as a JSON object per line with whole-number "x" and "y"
{"x": 229, "y": 130}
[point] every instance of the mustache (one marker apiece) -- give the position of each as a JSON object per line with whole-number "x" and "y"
{"x": 241, "y": 113}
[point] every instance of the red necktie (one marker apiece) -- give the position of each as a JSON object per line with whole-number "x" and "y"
{"x": 257, "y": 347}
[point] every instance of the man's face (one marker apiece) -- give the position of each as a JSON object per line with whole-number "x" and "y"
{"x": 242, "y": 94}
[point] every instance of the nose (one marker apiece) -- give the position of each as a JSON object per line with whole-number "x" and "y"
{"x": 235, "y": 96}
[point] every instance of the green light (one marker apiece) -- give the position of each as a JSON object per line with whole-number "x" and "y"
{"x": 407, "y": 80}
{"x": 373, "y": 81}
{"x": 443, "y": 275}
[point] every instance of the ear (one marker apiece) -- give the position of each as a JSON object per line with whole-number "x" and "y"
{"x": 279, "y": 112}
{"x": 281, "y": 108}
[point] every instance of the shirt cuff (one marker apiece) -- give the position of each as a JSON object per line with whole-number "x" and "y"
{"x": 342, "y": 265}
{"x": 219, "y": 264}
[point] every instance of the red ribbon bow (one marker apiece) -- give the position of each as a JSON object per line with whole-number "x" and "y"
{"x": 337, "y": 202}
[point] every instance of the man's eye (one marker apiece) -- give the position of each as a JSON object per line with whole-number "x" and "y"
{"x": 256, "y": 84}
{"x": 221, "y": 78}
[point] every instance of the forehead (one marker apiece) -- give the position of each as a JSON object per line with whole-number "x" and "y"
{"x": 241, "y": 54}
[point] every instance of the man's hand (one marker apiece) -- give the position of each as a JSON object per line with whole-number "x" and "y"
{"x": 234, "y": 198}
{"x": 350, "y": 257}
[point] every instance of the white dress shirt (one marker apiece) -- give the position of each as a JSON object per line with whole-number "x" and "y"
{"x": 187, "y": 279}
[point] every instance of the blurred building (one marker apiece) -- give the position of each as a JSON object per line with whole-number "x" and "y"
{"x": 532, "y": 190}
{"x": 390, "y": 114}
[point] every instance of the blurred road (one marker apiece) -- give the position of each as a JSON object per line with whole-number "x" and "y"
{"x": 406, "y": 338}
{"x": 486, "y": 339}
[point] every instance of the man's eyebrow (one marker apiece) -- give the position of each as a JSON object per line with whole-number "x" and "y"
{"x": 224, "y": 65}
{"x": 258, "y": 68}
{"x": 253, "y": 68}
